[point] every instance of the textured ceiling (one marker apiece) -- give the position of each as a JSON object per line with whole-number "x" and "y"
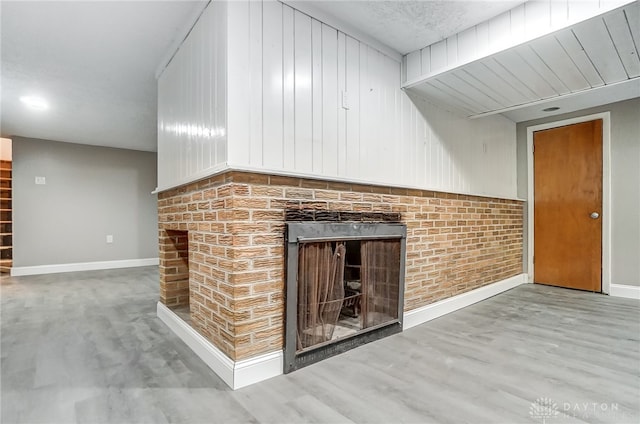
{"x": 410, "y": 25}
{"x": 95, "y": 64}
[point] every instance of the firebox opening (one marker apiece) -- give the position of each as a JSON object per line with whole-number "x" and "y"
{"x": 344, "y": 289}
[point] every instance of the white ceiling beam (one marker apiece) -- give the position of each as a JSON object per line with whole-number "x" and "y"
{"x": 515, "y": 27}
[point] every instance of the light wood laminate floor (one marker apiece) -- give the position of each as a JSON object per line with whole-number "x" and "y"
{"x": 87, "y": 347}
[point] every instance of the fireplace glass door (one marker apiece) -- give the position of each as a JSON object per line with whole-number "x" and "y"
{"x": 344, "y": 286}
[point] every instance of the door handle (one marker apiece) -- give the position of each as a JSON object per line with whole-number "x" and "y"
{"x": 594, "y": 215}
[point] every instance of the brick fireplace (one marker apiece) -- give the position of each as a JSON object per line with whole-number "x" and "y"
{"x": 222, "y": 248}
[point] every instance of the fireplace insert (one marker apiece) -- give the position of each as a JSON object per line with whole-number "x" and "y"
{"x": 345, "y": 285}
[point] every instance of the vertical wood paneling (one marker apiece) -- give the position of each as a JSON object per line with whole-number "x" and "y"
{"x": 467, "y": 45}
{"x": 303, "y": 92}
{"x": 499, "y": 29}
{"x": 437, "y": 164}
{"x": 206, "y": 82}
{"x": 482, "y": 32}
{"x": 414, "y": 65}
{"x": 342, "y": 113}
{"x": 285, "y": 74}
{"x": 517, "y": 23}
{"x": 353, "y": 114}
{"x": 439, "y": 56}
{"x": 164, "y": 113}
{"x": 580, "y": 9}
{"x": 537, "y": 18}
{"x": 559, "y": 13}
{"x": 404, "y": 69}
{"x": 426, "y": 172}
{"x": 203, "y": 95}
{"x": 452, "y": 49}
{"x": 391, "y": 81}
{"x": 407, "y": 171}
{"x": 330, "y": 94}
{"x": 238, "y": 80}
{"x": 289, "y": 88}
{"x": 219, "y": 126}
{"x": 255, "y": 83}
{"x": 366, "y": 99}
{"x": 384, "y": 119}
{"x": 415, "y": 138}
{"x": 425, "y": 55}
{"x": 421, "y": 135}
{"x": 187, "y": 99}
{"x": 316, "y": 96}
{"x": 272, "y": 82}
{"x": 192, "y": 103}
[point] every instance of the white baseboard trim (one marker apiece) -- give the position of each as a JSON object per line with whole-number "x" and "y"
{"x": 236, "y": 374}
{"x": 621, "y": 290}
{"x": 258, "y": 368}
{"x": 443, "y": 307}
{"x": 83, "y": 266}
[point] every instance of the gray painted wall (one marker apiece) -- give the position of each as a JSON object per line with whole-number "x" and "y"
{"x": 625, "y": 183}
{"x": 89, "y": 192}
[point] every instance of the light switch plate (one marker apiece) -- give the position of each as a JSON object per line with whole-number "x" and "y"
{"x": 345, "y": 100}
{"x": 41, "y": 180}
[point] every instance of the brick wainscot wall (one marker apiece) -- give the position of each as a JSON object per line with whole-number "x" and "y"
{"x": 222, "y": 248}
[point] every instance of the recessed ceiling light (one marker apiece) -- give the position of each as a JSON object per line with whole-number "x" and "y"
{"x": 34, "y": 102}
{"x": 551, "y": 109}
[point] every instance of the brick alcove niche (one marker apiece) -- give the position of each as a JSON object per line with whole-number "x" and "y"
{"x": 174, "y": 271}
{"x": 234, "y": 224}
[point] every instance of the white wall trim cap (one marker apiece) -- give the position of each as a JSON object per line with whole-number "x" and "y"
{"x": 82, "y": 266}
{"x": 236, "y": 374}
{"x": 622, "y": 290}
{"x": 435, "y": 310}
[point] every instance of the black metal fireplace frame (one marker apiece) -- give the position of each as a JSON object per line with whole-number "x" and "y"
{"x": 308, "y": 232}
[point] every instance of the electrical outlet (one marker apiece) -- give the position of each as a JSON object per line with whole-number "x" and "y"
{"x": 41, "y": 180}
{"x": 109, "y": 238}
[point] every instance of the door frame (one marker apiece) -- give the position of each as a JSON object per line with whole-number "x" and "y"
{"x": 606, "y": 191}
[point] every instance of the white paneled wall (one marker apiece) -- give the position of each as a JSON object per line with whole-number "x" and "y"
{"x": 307, "y": 99}
{"x": 192, "y": 139}
{"x": 261, "y": 86}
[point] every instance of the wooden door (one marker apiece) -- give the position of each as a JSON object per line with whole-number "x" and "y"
{"x": 568, "y": 206}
